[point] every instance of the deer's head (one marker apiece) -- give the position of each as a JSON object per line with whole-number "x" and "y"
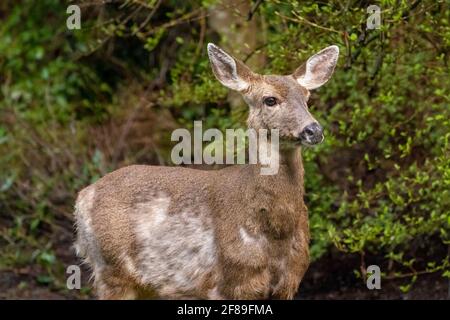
{"x": 278, "y": 102}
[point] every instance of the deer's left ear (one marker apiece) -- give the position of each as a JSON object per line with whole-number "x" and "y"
{"x": 318, "y": 69}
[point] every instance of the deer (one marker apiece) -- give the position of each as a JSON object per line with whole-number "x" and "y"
{"x": 172, "y": 232}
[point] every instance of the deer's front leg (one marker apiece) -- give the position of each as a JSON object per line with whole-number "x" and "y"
{"x": 293, "y": 267}
{"x": 244, "y": 264}
{"x": 245, "y": 283}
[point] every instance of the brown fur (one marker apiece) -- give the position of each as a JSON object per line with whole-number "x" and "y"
{"x": 170, "y": 232}
{"x": 276, "y": 210}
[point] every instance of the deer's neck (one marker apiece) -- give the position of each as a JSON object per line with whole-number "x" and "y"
{"x": 290, "y": 158}
{"x": 272, "y": 204}
{"x": 287, "y": 160}
{"x": 280, "y": 196}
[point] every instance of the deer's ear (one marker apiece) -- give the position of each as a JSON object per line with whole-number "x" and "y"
{"x": 318, "y": 69}
{"x": 231, "y": 72}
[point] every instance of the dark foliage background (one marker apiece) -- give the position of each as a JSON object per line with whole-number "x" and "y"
{"x": 76, "y": 104}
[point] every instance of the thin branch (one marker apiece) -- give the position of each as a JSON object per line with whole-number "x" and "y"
{"x": 150, "y": 16}
{"x": 254, "y": 51}
{"x": 253, "y": 10}
{"x": 300, "y": 19}
{"x": 198, "y": 50}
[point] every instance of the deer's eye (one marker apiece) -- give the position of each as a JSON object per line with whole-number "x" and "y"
{"x": 270, "y": 101}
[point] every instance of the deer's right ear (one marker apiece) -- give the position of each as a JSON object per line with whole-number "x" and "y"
{"x": 231, "y": 72}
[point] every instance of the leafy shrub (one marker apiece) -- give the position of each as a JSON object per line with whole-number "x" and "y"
{"x": 378, "y": 186}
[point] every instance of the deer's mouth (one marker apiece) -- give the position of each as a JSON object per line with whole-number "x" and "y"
{"x": 302, "y": 142}
{"x": 313, "y": 143}
{"x": 308, "y": 142}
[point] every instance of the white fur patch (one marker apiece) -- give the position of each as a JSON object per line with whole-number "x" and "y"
{"x": 87, "y": 244}
{"x": 129, "y": 265}
{"x": 176, "y": 250}
{"x": 246, "y": 238}
{"x": 250, "y": 240}
{"x": 214, "y": 294}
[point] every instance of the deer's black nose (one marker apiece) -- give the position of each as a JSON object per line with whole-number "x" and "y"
{"x": 312, "y": 133}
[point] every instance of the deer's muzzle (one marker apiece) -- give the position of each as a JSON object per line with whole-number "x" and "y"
{"x": 312, "y": 134}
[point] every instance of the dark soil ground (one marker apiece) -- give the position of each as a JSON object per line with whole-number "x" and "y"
{"x": 332, "y": 278}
